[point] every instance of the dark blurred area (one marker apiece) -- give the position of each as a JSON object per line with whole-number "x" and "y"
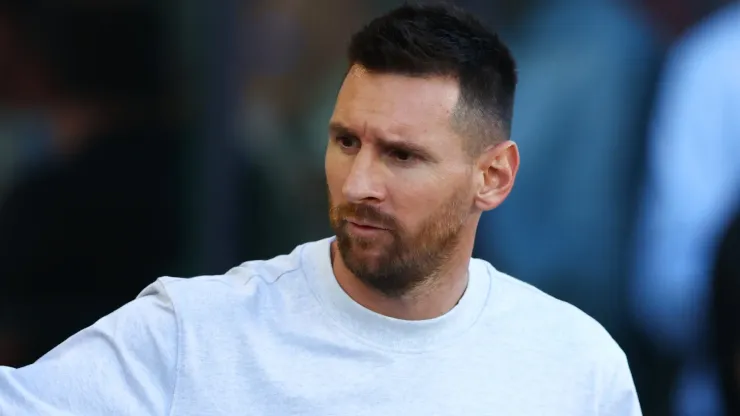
{"x": 140, "y": 139}
{"x": 91, "y": 206}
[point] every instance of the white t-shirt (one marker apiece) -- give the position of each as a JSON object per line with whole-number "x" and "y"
{"x": 281, "y": 337}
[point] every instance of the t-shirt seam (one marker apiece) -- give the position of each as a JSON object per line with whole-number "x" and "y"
{"x": 270, "y": 283}
{"x": 257, "y": 274}
{"x": 178, "y": 348}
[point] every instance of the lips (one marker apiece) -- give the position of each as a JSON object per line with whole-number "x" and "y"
{"x": 365, "y": 224}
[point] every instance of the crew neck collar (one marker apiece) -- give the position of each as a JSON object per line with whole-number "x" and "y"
{"x": 385, "y": 332}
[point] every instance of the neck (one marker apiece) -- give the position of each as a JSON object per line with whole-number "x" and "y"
{"x": 427, "y": 301}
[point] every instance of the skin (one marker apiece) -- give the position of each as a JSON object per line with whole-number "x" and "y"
{"x": 405, "y": 193}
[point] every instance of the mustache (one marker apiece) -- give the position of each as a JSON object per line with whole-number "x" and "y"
{"x": 364, "y": 212}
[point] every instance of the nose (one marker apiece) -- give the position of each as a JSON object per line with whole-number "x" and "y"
{"x": 365, "y": 180}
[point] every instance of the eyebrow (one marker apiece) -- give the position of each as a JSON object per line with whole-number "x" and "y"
{"x": 339, "y": 129}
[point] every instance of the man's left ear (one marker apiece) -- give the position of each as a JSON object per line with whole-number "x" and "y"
{"x": 497, "y": 168}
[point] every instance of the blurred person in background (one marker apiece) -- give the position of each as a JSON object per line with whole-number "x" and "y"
{"x": 92, "y": 213}
{"x": 390, "y": 316}
{"x": 725, "y": 313}
{"x": 691, "y": 192}
{"x": 587, "y": 69}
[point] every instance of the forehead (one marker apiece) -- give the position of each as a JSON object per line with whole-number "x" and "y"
{"x": 392, "y": 104}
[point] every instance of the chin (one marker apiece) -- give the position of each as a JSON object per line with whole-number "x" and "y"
{"x": 368, "y": 252}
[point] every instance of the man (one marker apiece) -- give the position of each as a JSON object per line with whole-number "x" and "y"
{"x": 683, "y": 214}
{"x": 390, "y": 317}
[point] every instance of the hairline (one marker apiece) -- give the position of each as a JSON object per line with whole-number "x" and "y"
{"x": 468, "y": 120}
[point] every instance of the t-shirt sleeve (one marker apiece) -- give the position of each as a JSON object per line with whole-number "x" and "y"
{"x": 619, "y": 396}
{"x": 124, "y": 364}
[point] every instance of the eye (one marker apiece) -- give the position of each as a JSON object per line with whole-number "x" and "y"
{"x": 401, "y": 155}
{"x": 347, "y": 142}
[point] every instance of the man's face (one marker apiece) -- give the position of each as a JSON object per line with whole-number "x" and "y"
{"x": 400, "y": 181}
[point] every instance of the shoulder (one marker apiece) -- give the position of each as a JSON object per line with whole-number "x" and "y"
{"x": 228, "y": 293}
{"x": 566, "y": 337}
{"x": 709, "y": 49}
{"x": 543, "y": 320}
{"x": 720, "y": 29}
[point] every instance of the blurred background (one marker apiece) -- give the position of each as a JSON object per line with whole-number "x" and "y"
{"x": 140, "y": 139}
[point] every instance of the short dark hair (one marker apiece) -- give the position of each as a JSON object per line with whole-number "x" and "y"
{"x": 443, "y": 40}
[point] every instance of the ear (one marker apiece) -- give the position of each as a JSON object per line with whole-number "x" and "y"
{"x": 497, "y": 168}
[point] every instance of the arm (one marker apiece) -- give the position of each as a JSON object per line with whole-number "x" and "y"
{"x": 124, "y": 364}
{"x": 618, "y": 394}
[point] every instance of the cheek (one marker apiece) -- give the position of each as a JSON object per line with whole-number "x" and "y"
{"x": 415, "y": 203}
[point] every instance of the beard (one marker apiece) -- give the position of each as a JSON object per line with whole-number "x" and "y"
{"x": 396, "y": 261}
